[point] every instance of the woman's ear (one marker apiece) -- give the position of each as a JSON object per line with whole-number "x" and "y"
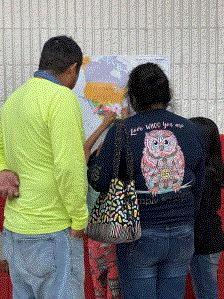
{"x": 99, "y": 149}
{"x": 134, "y": 103}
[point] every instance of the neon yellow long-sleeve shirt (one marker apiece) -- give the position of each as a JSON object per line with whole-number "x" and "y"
{"x": 41, "y": 138}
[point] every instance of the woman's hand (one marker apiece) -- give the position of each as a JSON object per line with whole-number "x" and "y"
{"x": 109, "y": 118}
{"x": 125, "y": 112}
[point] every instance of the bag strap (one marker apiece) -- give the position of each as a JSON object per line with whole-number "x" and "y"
{"x": 129, "y": 154}
{"x": 117, "y": 151}
{"x": 121, "y": 128}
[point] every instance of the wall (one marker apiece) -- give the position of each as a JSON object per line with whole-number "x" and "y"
{"x": 190, "y": 33}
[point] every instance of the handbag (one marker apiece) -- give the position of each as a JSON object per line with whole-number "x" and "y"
{"x": 115, "y": 217}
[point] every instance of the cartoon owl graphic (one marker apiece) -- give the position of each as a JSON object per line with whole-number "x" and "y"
{"x": 162, "y": 163}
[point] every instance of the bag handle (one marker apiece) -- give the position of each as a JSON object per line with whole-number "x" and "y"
{"x": 128, "y": 155}
{"x": 117, "y": 153}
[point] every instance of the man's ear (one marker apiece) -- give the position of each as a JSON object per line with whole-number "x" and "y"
{"x": 74, "y": 68}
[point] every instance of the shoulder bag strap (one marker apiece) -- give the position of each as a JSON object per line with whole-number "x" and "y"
{"x": 128, "y": 154}
{"x": 117, "y": 151}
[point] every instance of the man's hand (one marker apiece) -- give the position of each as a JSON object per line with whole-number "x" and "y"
{"x": 9, "y": 184}
{"x": 4, "y": 265}
{"x": 77, "y": 233}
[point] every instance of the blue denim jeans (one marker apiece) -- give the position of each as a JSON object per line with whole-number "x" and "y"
{"x": 46, "y": 266}
{"x": 204, "y": 275}
{"x": 156, "y": 265}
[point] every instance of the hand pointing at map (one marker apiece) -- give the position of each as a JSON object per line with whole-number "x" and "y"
{"x": 109, "y": 118}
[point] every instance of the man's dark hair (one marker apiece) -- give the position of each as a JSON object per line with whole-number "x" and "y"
{"x": 59, "y": 53}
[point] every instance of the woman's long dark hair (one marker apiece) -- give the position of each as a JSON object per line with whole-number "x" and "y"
{"x": 212, "y": 143}
{"x": 148, "y": 85}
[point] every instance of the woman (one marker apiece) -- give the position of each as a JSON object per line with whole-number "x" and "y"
{"x": 169, "y": 170}
{"x": 102, "y": 257}
{"x": 209, "y": 238}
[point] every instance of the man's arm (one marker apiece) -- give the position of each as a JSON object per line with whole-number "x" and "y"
{"x": 66, "y": 134}
{"x": 9, "y": 180}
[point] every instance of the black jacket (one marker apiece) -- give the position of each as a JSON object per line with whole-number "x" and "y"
{"x": 209, "y": 237}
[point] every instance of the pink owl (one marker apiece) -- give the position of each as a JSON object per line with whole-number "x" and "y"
{"x": 162, "y": 162}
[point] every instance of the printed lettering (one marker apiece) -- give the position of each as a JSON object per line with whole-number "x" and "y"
{"x": 153, "y": 126}
{"x": 135, "y": 130}
{"x": 166, "y": 125}
{"x": 179, "y": 126}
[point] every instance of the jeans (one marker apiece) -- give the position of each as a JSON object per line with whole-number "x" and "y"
{"x": 46, "y": 266}
{"x": 92, "y": 196}
{"x": 204, "y": 275}
{"x": 155, "y": 266}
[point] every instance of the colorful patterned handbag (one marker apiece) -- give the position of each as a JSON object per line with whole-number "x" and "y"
{"x": 115, "y": 216}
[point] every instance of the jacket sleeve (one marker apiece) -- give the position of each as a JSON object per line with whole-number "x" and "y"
{"x": 101, "y": 167}
{"x": 66, "y": 135}
{"x": 199, "y": 181}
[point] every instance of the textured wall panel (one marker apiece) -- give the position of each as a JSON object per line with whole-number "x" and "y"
{"x": 1, "y": 15}
{"x": 190, "y": 33}
{"x": 1, "y": 47}
{"x": 220, "y": 80}
{"x": 7, "y": 13}
{"x": 203, "y": 81}
{"x": 220, "y": 13}
{"x": 185, "y": 82}
{"x": 177, "y": 82}
{"x": 221, "y": 45}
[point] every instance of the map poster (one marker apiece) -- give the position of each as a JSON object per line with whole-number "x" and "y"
{"x": 102, "y": 85}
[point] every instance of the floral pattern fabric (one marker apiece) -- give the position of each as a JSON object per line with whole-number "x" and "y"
{"x": 104, "y": 271}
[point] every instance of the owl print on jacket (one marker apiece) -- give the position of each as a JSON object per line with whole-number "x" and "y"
{"x": 162, "y": 162}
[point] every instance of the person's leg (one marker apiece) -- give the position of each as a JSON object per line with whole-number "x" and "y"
{"x": 103, "y": 266}
{"x": 98, "y": 268}
{"x": 76, "y": 281}
{"x": 138, "y": 264}
{"x": 21, "y": 289}
{"x": 52, "y": 265}
{"x": 113, "y": 284}
{"x": 173, "y": 270}
{"x": 141, "y": 288}
{"x": 65, "y": 257}
{"x": 204, "y": 275}
{"x": 67, "y": 278}
{"x": 171, "y": 288}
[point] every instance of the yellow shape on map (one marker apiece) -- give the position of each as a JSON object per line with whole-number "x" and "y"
{"x": 104, "y": 93}
{"x": 86, "y": 60}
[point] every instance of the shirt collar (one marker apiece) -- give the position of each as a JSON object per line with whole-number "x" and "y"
{"x": 47, "y": 75}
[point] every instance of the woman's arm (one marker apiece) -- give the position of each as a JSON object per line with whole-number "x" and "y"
{"x": 107, "y": 121}
{"x": 101, "y": 166}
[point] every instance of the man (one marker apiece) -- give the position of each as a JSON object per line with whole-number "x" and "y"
{"x": 41, "y": 139}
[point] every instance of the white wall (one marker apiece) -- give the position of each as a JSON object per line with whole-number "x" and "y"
{"x": 189, "y": 32}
